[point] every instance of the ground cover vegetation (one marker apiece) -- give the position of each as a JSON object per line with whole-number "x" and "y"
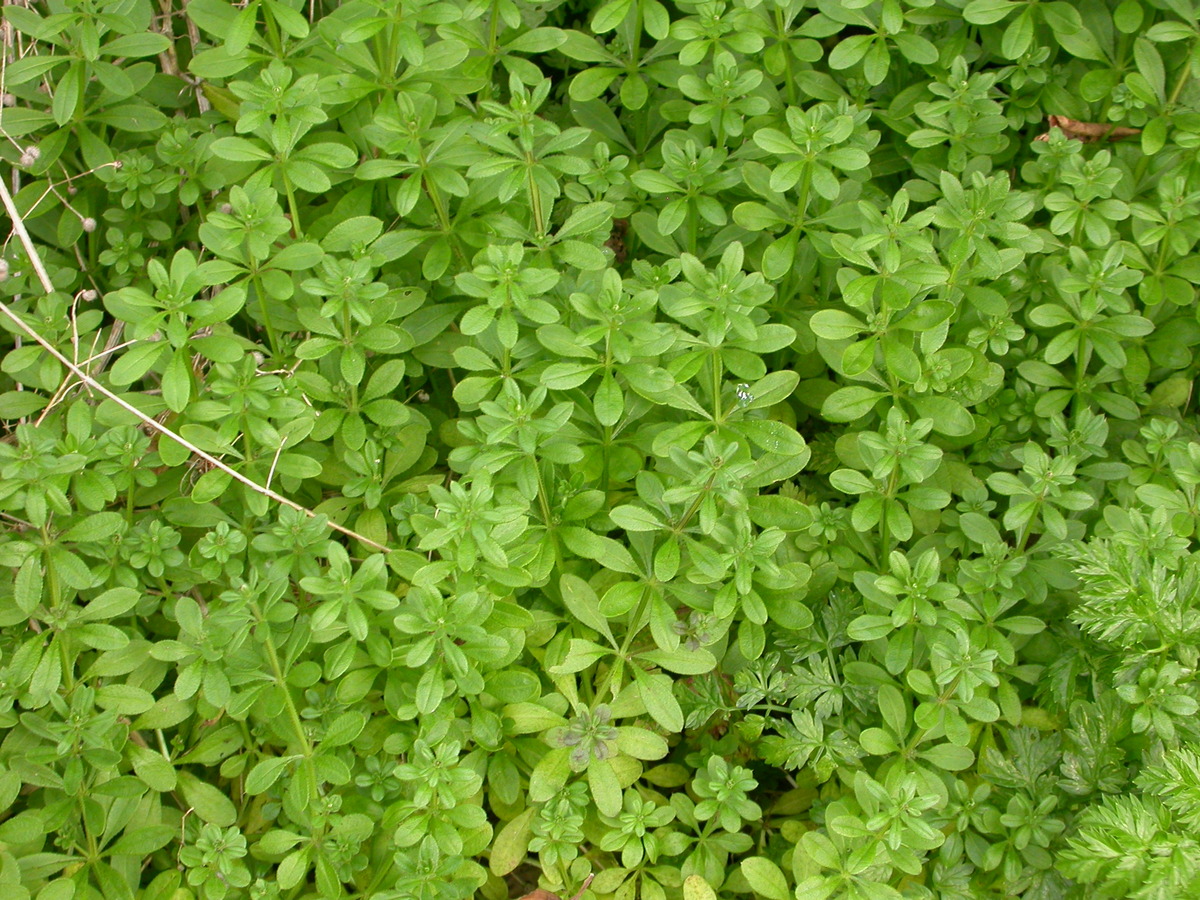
{"x": 664, "y": 449}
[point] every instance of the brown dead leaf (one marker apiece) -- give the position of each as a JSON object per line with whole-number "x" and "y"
{"x": 616, "y": 240}
{"x": 1088, "y": 132}
{"x": 539, "y": 894}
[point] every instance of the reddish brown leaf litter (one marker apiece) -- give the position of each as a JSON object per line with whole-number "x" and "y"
{"x": 1088, "y": 132}
{"x": 539, "y": 894}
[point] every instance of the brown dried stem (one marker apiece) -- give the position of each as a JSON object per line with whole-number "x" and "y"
{"x": 1088, "y": 132}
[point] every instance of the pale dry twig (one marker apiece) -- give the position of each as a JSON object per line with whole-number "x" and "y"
{"x": 48, "y": 286}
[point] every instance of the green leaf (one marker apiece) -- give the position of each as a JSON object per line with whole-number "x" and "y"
{"x": 657, "y": 696}
{"x": 591, "y": 83}
{"x": 641, "y": 743}
{"x": 684, "y": 662}
{"x": 772, "y": 388}
{"x": 605, "y": 788}
{"x": 581, "y": 601}
{"x": 206, "y": 801}
{"x": 29, "y": 585}
{"x": 765, "y": 878}
{"x": 604, "y": 550}
{"x": 610, "y": 15}
{"x": 126, "y": 699}
{"x": 550, "y": 774}
{"x": 143, "y": 841}
{"x": 153, "y": 768}
{"x": 19, "y": 404}
{"x": 1168, "y": 32}
{"x": 136, "y": 45}
{"x": 988, "y": 12}
{"x": 696, "y": 888}
{"x": 836, "y": 325}
{"x": 532, "y": 718}
{"x": 850, "y": 403}
{"x": 511, "y": 843}
{"x": 237, "y": 149}
{"x": 850, "y": 50}
{"x": 177, "y": 381}
{"x": 634, "y": 518}
{"x": 949, "y": 757}
{"x": 266, "y": 772}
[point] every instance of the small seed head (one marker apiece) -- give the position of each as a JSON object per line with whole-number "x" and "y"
{"x": 89, "y": 224}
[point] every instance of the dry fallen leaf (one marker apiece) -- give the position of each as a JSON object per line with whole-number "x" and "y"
{"x": 1088, "y": 132}
{"x": 539, "y": 894}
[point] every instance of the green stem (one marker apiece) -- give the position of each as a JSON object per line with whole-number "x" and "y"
{"x": 535, "y": 197}
{"x": 604, "y": 453}
{"x": 293, "y": 714}
{"x": 608, "y": 432}
{"x": 64, "y": 648}
{"x": 717, "y": 371}
{"x": 952, "y": 279}
{"x": 435, "y": 197}
{"x": 256, "y": 280}
{"x": 1027, "y": 528}
{"x": 885, "y": 536}
{"x": 548, "y": 519}
{"x": 67, "y": 662}
{"x": 485, "y": 92}
{"x": 129, "y": 498}
{"x": 693, "y": 228}
{"x": 288, "y": 702}
{"x": 93, "y": 847}
{"x": 247, "y": 440}
{"x": 273, "y": 34}
{"x": 441, "y": 209}
{"x": 920, "y": 735}
{"x": 543, "y": 503}
{"x": 393, "y": 45}
{"x": 1185, "y": 75}
{"x": 348, "y": 336}
{"x": 802, "y": 203}
{"x": 1085, "y": 360}
{"x": 635, "y": 49}
{"x": 677, "y": 529}
{"x": 293, "y": 209}
{"x": 636, "y": 624}
{"x": 771, "y": 707}
{"x": 381, "y": 873}
{"x": 790, "y": 82}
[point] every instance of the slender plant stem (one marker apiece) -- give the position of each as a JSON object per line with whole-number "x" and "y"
{"x": 293, "y": 209}
{"x": 261, "y": 294}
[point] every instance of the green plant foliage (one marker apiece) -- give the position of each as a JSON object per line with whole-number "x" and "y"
{"x": 740, "y": 449}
